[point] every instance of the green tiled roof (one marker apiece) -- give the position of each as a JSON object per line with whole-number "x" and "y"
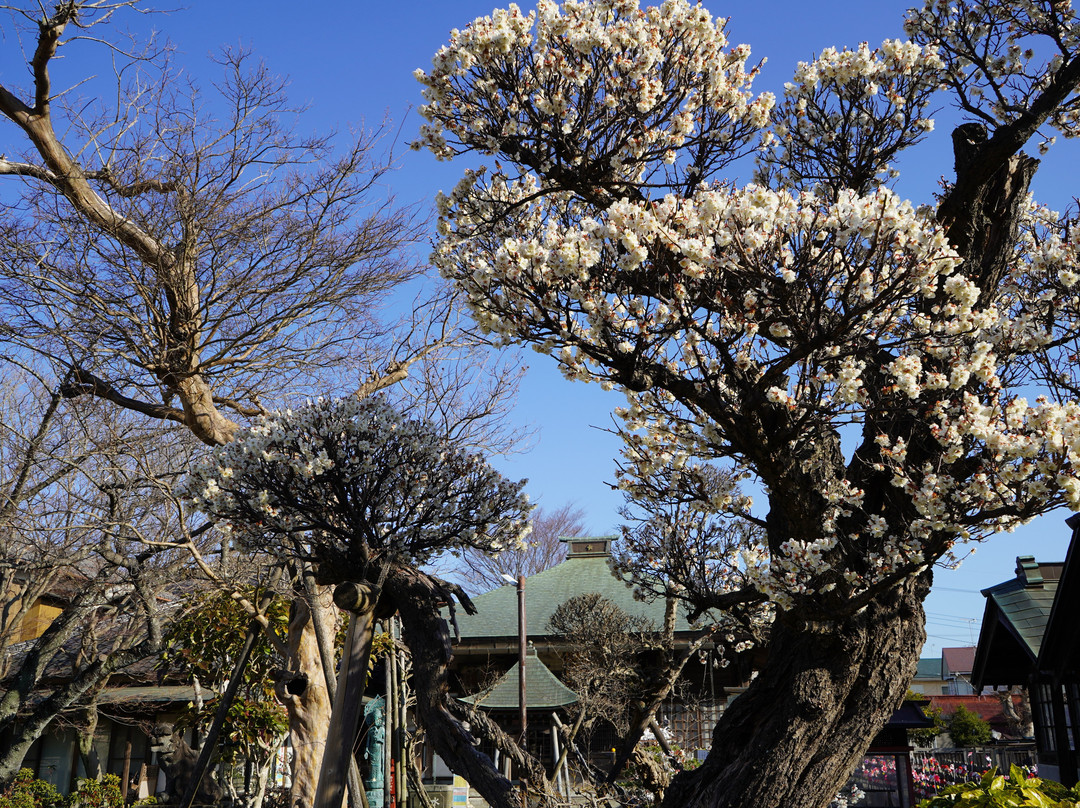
{"x": 929, "y": 668}
{"x": 542, "y": 689}
{"x": 1013, "y": 624}
{"x": 1026, "y": 608}
{"x": 580, "y": 574}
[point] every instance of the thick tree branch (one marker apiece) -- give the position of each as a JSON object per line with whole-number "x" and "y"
{"x": 82, "y": 382}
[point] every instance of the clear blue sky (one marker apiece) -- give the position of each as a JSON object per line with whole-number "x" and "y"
{"x": 352, "y": 63}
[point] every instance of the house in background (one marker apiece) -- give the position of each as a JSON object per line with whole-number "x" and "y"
{"x": 956, "y": 666}
{"x": 1030, "y": 636}
{"x": 938, "y": 679}
{"x": 928, "y": 679}
{"x": 989, "y": 707}
{"x": 125, "y": 716}
{"x": 125, "y": 710}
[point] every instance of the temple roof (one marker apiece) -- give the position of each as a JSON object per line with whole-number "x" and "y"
{"x": 587, "y": 569}
{"x": 1014, "y": 623}
{"x": 542, "y": 689}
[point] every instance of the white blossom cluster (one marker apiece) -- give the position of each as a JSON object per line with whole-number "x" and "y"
{"x": 847, "y": 113}
{"x": 583, "y": 68}
{"x": 740, "y": 252}
{"x": 751, "y": 324}
{"x": 999, "y": 55}
{"x": 352, "y": 482}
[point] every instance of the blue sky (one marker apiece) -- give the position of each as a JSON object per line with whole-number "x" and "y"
{"x": 351, "y": 63}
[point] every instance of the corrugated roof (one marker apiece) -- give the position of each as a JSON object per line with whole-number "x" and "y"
{"x": 164, "y": 693}
{"x": 929, "y": 668}
{"x": 1014, "y": 622}
{"x": 497, "y": 610}
{"x": 1026, "y": 608}
{"x": 542, "y": 689}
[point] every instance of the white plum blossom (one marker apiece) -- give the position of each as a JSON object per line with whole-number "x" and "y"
{"x": 896, "y": 379}
{"x": 352, "y": 483}
{"x": 750, "y": 324}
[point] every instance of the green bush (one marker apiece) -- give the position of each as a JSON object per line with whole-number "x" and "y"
{"x": 26, "y": 792}
{"x": 967, "y": 729}
{"x": 997, "y": 791}
{"x": 103, "y": 793}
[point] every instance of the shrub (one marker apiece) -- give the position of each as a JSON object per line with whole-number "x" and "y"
{"x": 26, "y": 792}
{"x": 103, "y": 793}
{"x": 967, "y": 729}
{"x": 997, "y": 791}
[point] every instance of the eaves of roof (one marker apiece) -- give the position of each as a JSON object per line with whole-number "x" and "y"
{"x": 542, "y": 689}
{"x": 1025, "y": 609}
{"x": 1014, "y": 622}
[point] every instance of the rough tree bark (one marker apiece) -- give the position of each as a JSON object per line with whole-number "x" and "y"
{"x": 306, "y": 699}
{"x": 807, "y": 719}
{"x": 827, "y": 689}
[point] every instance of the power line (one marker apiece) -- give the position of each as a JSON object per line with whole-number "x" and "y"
{"x": 942, "y": 617}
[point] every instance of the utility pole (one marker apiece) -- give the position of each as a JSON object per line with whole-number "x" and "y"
{"x": 522, "y": 640}
{"x": 521, "y": 659}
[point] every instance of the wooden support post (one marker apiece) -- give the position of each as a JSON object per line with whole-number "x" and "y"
{"x": 348, "y": 709}
{"x": 203, "y": 761}
{"x": 127, "y": 767}
{"x": 357, "y": 795}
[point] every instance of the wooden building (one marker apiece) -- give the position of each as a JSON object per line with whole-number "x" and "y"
{"x": 1030, "y": 636}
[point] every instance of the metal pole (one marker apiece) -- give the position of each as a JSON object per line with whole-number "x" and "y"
{"x": 522, "y": 707}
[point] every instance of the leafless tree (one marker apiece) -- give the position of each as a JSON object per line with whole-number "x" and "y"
{"x": 185, "y": 254}
{"x": 82, "y": 487}
{"x": 604, "y": 664}
{"x": 194, "y": 256}
{"x": 543, "y": 550}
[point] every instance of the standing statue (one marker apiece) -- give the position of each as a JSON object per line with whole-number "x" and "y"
{"x": 375, "y": 721}
{"x": 177, "y": 760}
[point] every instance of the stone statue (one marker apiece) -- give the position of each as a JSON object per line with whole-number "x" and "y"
{"x": 177, "y": 760}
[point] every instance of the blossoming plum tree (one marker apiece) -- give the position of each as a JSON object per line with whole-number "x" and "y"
{"x": 367, "y": 496}
{"x": 755, "y": 325}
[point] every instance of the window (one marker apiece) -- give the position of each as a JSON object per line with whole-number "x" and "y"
{"x": 1042, "y": 704}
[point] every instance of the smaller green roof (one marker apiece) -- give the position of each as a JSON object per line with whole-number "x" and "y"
{"x": 542, "y": 689}
{"x": 929, "y": 668}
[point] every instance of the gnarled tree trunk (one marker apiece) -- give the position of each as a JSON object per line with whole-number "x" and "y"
{"x": 418, "y": 597}
{"x": 308, "y": 704}
{"x": 792, "y": 739}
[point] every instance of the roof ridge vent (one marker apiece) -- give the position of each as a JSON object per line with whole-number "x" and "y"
{"x": 587, "y": 546}
{"x": 1027, "y": 570}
